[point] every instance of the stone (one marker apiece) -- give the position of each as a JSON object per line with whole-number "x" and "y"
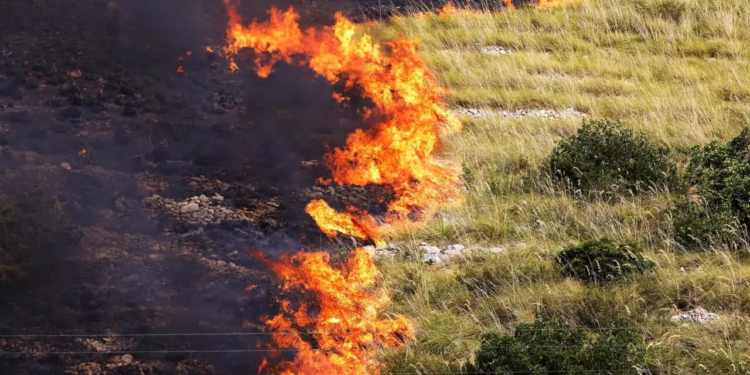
{"x": 66, "y": 165}
{"x": 456, "y": 247}
{"x": 454, "y": 250}
{"x": 190, "y": 207}
{"x": 431, "y": 258}
{"x": 697, "y": 315}
{"x": 497, "y": 250}
{"x": 430, "y": 249}
{"x": 218, "y": 197}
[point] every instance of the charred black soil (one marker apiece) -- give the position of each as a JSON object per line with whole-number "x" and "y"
{"x": 163, "y": 180}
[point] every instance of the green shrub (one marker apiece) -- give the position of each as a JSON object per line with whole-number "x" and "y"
{"x": 603, "y": 260}
{"x": 33, "y": 231}
{"x": 716, "y": 208}
{"x": 604, "y": 155}
{"x": 554, "y": 347}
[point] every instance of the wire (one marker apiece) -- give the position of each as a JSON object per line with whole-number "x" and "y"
{"x": 509, "y": 372}
{"x": 156, "y": 351}
{"x": 142, "y": 334}
{"x": 275, "y": 333}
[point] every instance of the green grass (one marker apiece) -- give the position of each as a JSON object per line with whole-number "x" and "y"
{"x": 676, "y": 70}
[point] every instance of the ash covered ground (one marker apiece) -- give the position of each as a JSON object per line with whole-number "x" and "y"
{"x": 165, "y": 179}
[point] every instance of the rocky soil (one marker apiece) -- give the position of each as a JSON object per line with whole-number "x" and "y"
{"x": 169, "y": 176}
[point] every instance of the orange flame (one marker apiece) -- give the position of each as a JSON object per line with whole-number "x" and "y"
{"x": 209, "y": 49}
{"x": 345, "y": 326}
{"x": 399, "y": 150}
{"x": 180, "y": 69}
{"x": 448, "y": 10}
{"x": 332, "y": 222}
{"x": 82, "y": 152}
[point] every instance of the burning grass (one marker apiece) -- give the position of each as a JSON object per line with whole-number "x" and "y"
{"x": 344, "y": 321}
{"x": 663, "y": 68}
{"x": 409, "y": 115}
{"x": 399, "y": 151}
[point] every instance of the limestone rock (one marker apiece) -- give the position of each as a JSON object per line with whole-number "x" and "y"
{"x": 697, "y": 315}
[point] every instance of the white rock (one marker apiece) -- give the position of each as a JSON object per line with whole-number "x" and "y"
{"x": 189, "y": 207}
{"x": 697, "y": 315}
{"x": 456, "y": 247}
{"x": 430, "y": 249}
{"x": 497, "y": 250}
{"x": 432, "y": 258}
{"x": 454, "y": 250}
{"x": 218, "y": 197}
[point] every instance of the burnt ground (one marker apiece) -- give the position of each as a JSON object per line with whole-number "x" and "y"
{"x": 166, "y": 178}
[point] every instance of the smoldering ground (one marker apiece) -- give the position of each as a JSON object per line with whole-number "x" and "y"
{"x": 160, "y": 179}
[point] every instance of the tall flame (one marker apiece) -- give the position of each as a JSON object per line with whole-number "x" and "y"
{"x": 399, "y": 151}
{"x": 400, "y": 148}
{"x": 345, "y": 325}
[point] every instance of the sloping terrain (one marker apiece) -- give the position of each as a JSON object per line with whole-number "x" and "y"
{"x": 525, "y": 80}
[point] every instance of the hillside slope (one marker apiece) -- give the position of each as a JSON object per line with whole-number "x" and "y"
{"x": 522, "y": 81}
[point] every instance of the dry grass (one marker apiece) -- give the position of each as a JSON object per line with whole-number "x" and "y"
{"x": 677, "y": 70}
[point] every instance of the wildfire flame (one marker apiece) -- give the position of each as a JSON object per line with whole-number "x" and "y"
{"x": 448, "y": 10}
{"x": 399, "y": 150}
{"x": 346, "y": 326}
{"x": 356, "y": 224}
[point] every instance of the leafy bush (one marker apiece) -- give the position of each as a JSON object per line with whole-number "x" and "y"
{"x": 554, "y": 347}
{"x": 716, "y": 208}
{"x": 603, "y": 261}
{"x": 33, "y": 230}
{"x": 604, "y": 154}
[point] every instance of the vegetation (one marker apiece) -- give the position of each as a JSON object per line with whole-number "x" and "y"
{"x": 604, "y": 155}
{"x": 554, "y": 347}
{"x": 676, "y": 71}
{"x": 717, "y": 208}
{"x": 33, "y": 233}
{"x": 603, "y": 261}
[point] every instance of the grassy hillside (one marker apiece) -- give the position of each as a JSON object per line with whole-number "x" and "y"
{"x": 675, "y": 70}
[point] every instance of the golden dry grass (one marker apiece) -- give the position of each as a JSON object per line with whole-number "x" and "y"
{"x": 676, "y": 70}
